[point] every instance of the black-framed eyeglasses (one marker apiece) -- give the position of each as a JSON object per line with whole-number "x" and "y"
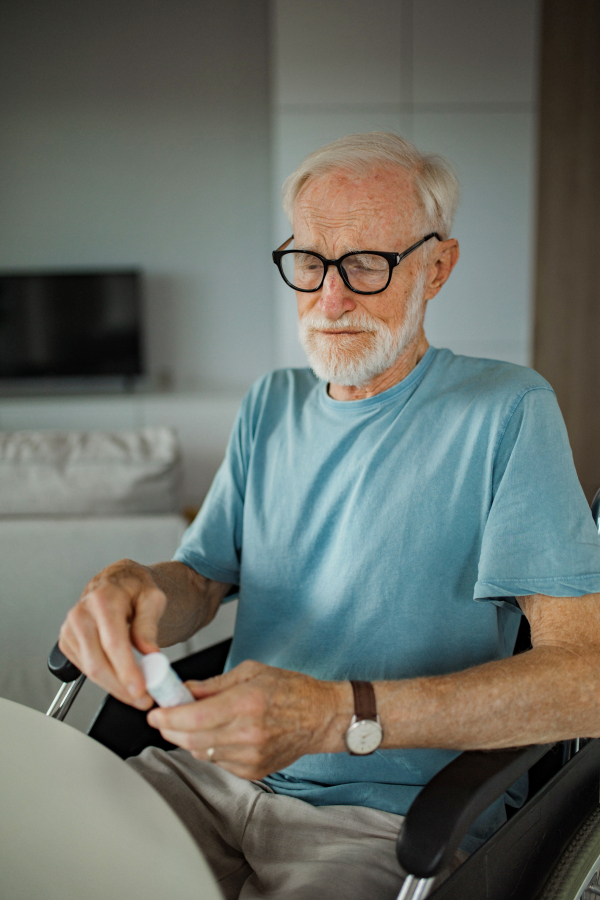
{"x": 367, "y": 272}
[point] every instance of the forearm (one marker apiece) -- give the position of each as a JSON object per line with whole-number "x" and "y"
{"x": 550, "y": 693}
{"x": 544, "y": 695}
{"x": 261, "y": 718}
{"x": 192, "y": 600}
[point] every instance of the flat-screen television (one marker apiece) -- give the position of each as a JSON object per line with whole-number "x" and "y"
{"x": 70, "y": 324}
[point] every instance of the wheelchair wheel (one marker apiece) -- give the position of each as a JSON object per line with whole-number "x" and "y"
{"x": 576, "y": 876}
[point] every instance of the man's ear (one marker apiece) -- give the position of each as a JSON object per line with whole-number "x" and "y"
{"x": 446, "y": 257}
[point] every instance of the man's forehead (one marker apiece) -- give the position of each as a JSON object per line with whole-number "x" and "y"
{"x": 342, "y": 201}
{"x": 340, "y": 187}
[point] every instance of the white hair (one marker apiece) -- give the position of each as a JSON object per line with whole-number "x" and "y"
{"x": 435, "y": 181}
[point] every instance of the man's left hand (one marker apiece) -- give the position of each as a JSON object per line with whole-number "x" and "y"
{"x": 258, "y": 719}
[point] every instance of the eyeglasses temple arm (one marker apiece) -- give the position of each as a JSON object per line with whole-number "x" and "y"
{"x": 285, "y": 243}
{"x": 402, "y": 256}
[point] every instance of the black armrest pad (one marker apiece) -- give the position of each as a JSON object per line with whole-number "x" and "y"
{"x": 446, "y": 808}
{"x": 60, "y": 666}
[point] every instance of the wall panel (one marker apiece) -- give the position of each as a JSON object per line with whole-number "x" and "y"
{"x": 455, "y": 76}
{"x": 567, "y": 319}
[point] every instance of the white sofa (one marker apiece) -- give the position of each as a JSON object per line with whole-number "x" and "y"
{"x": 70, "y": 504}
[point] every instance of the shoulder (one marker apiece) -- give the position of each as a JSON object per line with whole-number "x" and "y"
{"x": 490, "y": 383}
{"x": 282, "y": 384}
{"x": 483, "y": 396}
{"x": 474, "y": 374}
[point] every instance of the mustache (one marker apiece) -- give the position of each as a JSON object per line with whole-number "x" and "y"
{"x": 362, "y": 321}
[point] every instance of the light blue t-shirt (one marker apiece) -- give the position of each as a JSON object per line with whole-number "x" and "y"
{"x": 387, "y": 538}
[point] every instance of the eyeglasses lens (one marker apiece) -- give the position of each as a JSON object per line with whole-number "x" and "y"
{"x": 303, "y": 270}
{"x": 364, "y": 271}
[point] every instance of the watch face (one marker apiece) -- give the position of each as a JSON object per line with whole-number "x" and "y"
{"x": 364, "y": 737}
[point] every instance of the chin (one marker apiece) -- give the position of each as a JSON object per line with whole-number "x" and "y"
{"x": 349, "y": 360}
{"x": 342, "y": 349}
{"x": 361, "y": 343}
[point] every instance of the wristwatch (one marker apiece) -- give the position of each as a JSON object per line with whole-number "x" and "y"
{"x": 365, "y": 733}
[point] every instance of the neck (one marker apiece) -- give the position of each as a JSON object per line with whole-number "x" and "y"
{"x": 396, "y": 373}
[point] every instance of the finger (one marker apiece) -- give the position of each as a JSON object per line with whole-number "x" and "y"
{"x": 144, "y": 627}
{"x": 238, "y": 761}
{"x": 240, "y": 752}
{"x": 106, "y": 606}
{"x": 106, "y": 676}
{"x": 82, "y": 645}
{"x": 190, "y": 740}
{"x": 75, "y": 632}
{"x": 202, "y": 689}
{"x": 242, "y": 673}
{"x": 205, "y": 714}
{"x": 67, "y": 644}
{"x": 198, "y": 745}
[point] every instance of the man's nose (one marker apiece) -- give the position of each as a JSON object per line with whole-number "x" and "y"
{"x": 335, "y": 297}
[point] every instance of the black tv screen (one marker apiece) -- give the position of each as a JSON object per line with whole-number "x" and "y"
{"x": 65, "y": 324}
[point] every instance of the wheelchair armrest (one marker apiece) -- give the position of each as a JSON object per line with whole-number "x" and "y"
{"x": 443, "y": 812}
{"x": 60, "y": 666}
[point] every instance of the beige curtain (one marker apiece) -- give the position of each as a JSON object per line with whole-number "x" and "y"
{"x": 567, "y": 311}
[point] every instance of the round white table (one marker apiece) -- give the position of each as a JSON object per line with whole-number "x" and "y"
{"x": 76, "y": 823}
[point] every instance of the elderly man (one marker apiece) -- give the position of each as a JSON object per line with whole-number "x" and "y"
{"x": 387, "y": 517}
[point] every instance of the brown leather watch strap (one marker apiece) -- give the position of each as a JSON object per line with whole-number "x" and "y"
{"x": 365, "y": 706}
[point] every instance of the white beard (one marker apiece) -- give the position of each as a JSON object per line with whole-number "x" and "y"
{"x": 355, "y": 360}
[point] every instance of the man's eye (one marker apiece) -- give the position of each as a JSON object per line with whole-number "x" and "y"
{"x": 367, "y": 264}
{"x": 364, "y": 269}
{"x": 307, "y": 264}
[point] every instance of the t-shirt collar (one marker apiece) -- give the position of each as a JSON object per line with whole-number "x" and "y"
{"x": 393, "y": 394}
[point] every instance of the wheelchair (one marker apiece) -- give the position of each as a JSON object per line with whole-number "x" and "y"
{"x": 549, "y": 849}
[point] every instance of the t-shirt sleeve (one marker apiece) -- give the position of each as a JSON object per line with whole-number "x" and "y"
{"x": 539, "y": 537}
{"x": 212, "y": 545}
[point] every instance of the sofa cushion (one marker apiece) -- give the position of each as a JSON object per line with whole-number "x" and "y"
{"x": 89, "y": 472}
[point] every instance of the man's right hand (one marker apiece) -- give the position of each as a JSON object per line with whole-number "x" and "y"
{"x": 120, "y": 607}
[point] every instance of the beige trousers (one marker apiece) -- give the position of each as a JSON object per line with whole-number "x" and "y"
{"x": 265, "y": 845}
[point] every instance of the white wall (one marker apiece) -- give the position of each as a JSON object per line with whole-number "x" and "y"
{"x": 159, "y": 134}
{"x": 137, "y": 133}
{"x": 454, "y": 76}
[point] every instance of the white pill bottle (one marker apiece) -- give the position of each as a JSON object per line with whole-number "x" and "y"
{"x": 162, "y": 682}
